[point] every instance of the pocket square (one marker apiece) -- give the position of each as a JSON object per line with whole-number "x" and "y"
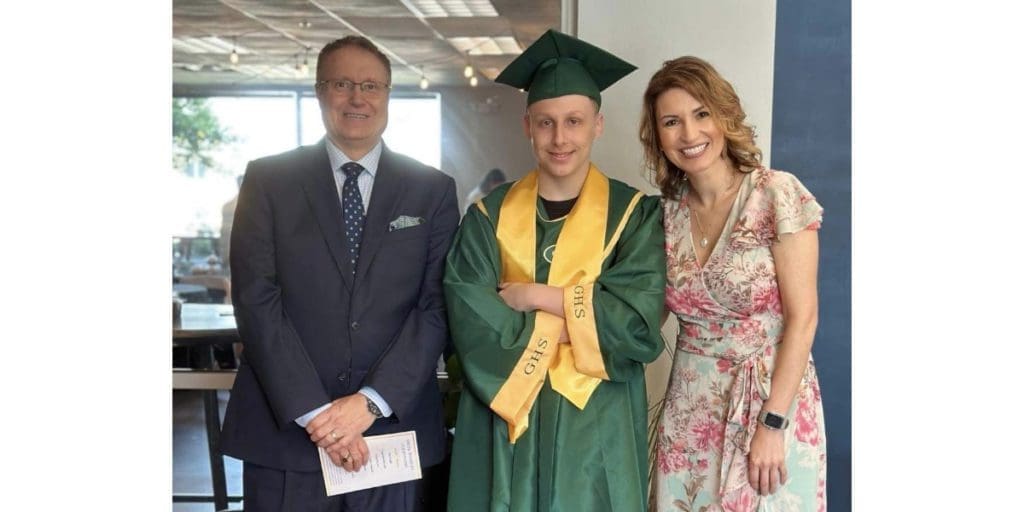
{"x": 404, "y": 221}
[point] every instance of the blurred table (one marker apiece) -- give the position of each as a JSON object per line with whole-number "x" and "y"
{"x": 205, "y": 324}
{"x": 218, "y": 287}
{"x": 191, "y": 292}
{"x": 202, "y": 326}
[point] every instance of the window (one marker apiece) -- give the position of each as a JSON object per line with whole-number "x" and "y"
{"x": 254, "y": 127}
{"x": 206, "y": 174}
{"x": 414, "y": 126}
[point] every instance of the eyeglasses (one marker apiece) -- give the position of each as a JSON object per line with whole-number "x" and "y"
{"x": 347, "y": 87}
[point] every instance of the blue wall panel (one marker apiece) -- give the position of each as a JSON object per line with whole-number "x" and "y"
{"x": 811, "y": 139}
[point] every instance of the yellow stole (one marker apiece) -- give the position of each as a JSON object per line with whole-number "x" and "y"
{"x": 575, "y": 368}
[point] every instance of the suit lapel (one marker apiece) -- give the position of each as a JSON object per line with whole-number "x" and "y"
{"x": 322, "y": 194}
{"x": 387, "y": 191}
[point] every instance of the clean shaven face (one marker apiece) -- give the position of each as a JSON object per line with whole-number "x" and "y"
{"x": 353, "y": 120}
{"x": 688, "y": 133}
{"x": 561, "y": 131}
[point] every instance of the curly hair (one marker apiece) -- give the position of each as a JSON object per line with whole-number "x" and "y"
{"x": 698, "y": 78}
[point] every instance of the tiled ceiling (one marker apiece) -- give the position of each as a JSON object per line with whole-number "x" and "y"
{"x": 274, "y": 39}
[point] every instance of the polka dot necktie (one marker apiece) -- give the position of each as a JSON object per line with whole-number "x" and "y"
{"x": 352, "y": 205}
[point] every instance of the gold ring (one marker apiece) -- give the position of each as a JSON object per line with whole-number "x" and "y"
{"x": 347, "y": 458}
{"x": 334, "y": 435}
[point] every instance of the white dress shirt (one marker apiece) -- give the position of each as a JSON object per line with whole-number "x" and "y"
{"x": 365, "y": 182}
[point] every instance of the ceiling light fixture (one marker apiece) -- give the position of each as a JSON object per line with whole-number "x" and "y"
{"x": 473, "y": 81}
{"x": 424, "y": 83}
{"x": 501, "y": 45}
{"x": 304, "y": 69}
{"x": 467, "y": 71}
{"x": 234, "y": 52}
{"x": 455, "y": 8}
{"x": 305, "y": 24}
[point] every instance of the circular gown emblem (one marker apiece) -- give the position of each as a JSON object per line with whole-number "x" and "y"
{"x": 549, "y": 253}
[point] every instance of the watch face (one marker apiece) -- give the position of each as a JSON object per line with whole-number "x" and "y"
{"x": 374, "y": 410}
{"x": 773, "y": 420}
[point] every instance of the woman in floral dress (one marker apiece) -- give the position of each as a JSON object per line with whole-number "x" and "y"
{"x": 742, "y": 426}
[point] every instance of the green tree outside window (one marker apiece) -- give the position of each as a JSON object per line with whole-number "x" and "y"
{"x": 197, "y": 133}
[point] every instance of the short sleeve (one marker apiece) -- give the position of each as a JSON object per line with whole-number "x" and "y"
{"x": 778, "y": 204}
{"x": 775, "y": 203}
{"x": 794, "y": 206}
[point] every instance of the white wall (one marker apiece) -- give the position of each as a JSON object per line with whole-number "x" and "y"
{"x": 736, "y": 36}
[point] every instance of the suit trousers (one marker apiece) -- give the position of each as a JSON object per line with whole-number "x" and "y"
{"x": 274, "y": 490}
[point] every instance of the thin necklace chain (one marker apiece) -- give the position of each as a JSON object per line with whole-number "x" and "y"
{"x": 700, "y": 226}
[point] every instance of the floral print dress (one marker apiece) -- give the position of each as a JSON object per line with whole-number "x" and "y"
{"x": 730, "y": 321}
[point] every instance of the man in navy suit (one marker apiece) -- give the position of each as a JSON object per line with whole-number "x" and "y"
{"x": 337, "y": 256}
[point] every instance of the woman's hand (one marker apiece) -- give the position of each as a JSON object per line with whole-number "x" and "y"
{"x": 766, "y": 463}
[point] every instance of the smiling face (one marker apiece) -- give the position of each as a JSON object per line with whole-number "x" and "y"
{"x": 562, "y": 130}
{"x": 354, "y": 120}
{"x": 688, "y": 133}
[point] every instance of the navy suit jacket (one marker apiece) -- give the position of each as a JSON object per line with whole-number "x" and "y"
{"x": 311, "y": 331}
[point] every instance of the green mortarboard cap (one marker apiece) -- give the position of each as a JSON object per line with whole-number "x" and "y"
{"x": 558, "y": 64}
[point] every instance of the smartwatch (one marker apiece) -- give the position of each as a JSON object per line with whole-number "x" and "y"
{"x": 772, "y": 421}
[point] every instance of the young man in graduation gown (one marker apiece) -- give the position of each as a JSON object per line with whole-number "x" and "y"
{"x": 555, "y": 287}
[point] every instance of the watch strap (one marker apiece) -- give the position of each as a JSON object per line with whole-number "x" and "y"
{"x": 772, "y": 421}
{"x": 372, "y": 407}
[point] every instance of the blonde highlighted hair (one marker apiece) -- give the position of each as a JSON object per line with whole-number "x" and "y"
{"x": 698, "y": 78}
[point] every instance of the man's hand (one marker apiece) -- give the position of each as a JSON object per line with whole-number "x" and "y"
{"x": 352, "y": 457}
{"x": 339, "y": 430}
{"x": 527, "y": 297}
{"x": 518, "y": 296}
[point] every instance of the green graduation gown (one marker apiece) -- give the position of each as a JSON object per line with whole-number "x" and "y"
{"x": 568, "y": 459}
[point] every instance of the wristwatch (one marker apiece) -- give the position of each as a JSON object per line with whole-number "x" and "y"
{"x": 372, "y": 407}
{"x": 772, "y": 421}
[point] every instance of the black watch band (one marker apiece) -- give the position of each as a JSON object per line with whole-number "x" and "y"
{"x": 372, "y": 407}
